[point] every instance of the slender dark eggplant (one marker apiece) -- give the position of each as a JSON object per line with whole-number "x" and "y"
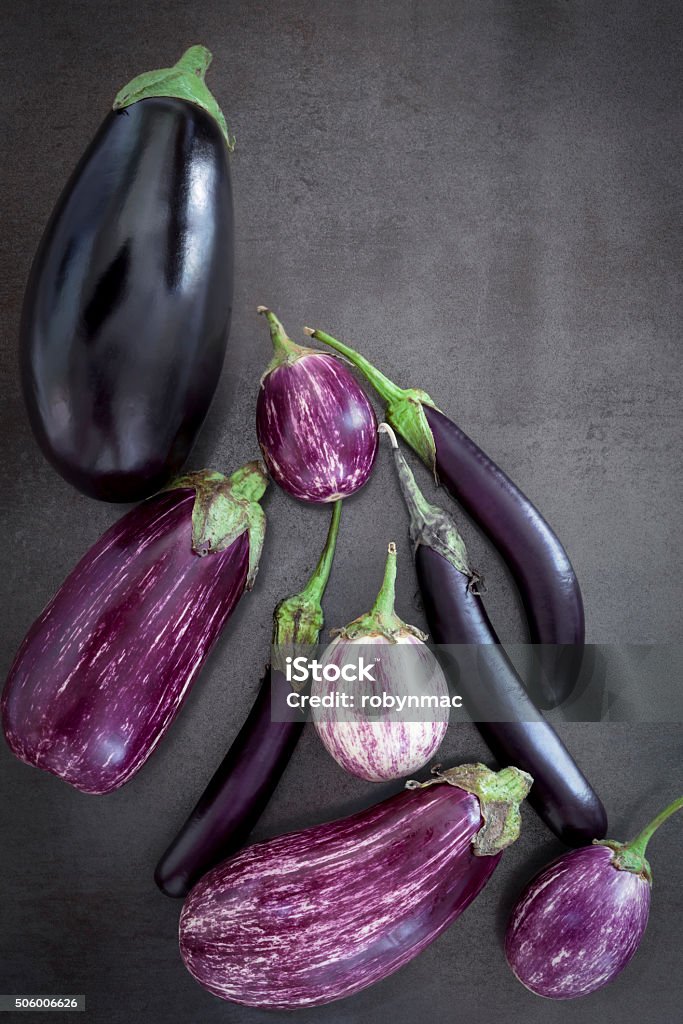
{"x": 316, "y": 915}
{"x": 315, "y": 424}
{"x": 127, "y": 306}
{"x": 538, "y": 562}
{"x": 103, "y": 672}
{"x": 245, "y": 780}
{"x": 581, "y": 919}
{"x": 503, "y": 711}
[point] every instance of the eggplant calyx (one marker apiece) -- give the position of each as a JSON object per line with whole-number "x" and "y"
{"x": 298, "y": 620}
{"x": 224, "y": 507}
{"x": 625, "y": 859}
{"x": 184, "y": 81}
{"x": 631, "y": 856}
{"x": 405, "y": 406}
{"x": 499, "y": 795}
{"x": 285, "y": 351}
{"x": 429, "y": 524}
{"x": 382, "y": 619}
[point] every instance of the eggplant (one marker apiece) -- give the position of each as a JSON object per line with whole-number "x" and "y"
{"x": 102, "y": 673}
{"x": 127, "y": 306}
{"x": 581, "y": 919}
{"x": 389, "y": 745}
{"x": 503, "y": 711}
{"x": 315, "y": 425}
{"x": 538, "y": 562}
{"x": 316, "y": 915}
{"x": 246, "y": 778}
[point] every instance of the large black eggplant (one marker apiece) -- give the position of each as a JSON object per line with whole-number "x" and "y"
{"x": 128, "y": 303}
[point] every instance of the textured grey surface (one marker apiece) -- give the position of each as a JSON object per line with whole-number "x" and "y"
{"x": 483, "y": 196}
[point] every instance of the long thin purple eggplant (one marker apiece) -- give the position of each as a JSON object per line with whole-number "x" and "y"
{"x": 317, "y": 915}
{"x": 103, "y": 672}
{"x": 246, "y": 778}
{"x": 315, "y": 425}
{"x": 504, "y": 713}
{"x": 580, "y": 920}
{"x": 537, "y": 560}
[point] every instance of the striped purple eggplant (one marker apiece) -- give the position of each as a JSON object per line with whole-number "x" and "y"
{"x": 315, "y": 425}
{"x": 104, "y": 670}
{"x": 580, "y": 921}
{"x": 389, "y": 745}
{"x": 314, "y": 916}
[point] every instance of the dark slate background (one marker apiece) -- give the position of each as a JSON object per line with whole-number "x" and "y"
{"x": 483, "y": 197}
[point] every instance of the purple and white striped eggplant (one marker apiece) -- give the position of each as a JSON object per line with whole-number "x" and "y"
{"x": 315, "y": 425}
{"x": 317, "y": 915}
{"x": 102, "y": 673}
{"x": 401, "y": 670}
{"x": 579, "y": 922}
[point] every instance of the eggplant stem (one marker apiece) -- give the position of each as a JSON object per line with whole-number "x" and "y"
{"x": 631, "y": 856}
{"x": 298, "y": 619}
{"x": 639, "y": 844}
{"x": 284, "y": 349}
{"x": 404, "y": 409}
{"x": 429, "y": 524}
{"x": 184, "y": 81}
{"x": 384, "y": 387}
{"x": 382, "y": 619}
{"x": 315, "y": 588}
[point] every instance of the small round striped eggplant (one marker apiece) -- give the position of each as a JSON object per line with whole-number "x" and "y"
{"x": 580, "y": 921}
{"x": 388, "y": 746}
{"x": 102, "y": 673}
{"x": 315, "y": 425}
{"x": 314, "y": 916}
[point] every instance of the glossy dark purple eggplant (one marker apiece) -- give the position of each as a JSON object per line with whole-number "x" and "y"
{"x": 315, "y": 425}
{"x": 495, "y": 696}
{"x": 104, "y": 670}
{"x": 127, "y": 306}
{"x": 245, "y": 780}
{"x": 535, "y": 556}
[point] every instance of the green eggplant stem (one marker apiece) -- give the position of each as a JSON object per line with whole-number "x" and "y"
{"x": 298, "y": 620}
{"x": 315, "y": 588}
{"x": 499, "y": 793}
{"x": 382, "y": 619}
{"x": 284, "y": 349}
{"x": 405, "y": 407}
{"x": 184, "y": 81}
{"x": 386, "y": 598}
{"x": 226, "y": 507}
{"x": 630, "y": 856}
{"x": 385, "y": 388}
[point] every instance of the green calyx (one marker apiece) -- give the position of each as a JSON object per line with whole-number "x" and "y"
{"x": 224, "y": 507}
{"x": 285, "y": 351}
{"x": 404, "y": 406}
{"x": 298, "y": 619}
{"x": 500, "y": 795}
{"x": 429, "y": 524}
{"x": 631, "y": 856}
{"x": 184, "y": 81}
{"x": 382, "y": 620}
